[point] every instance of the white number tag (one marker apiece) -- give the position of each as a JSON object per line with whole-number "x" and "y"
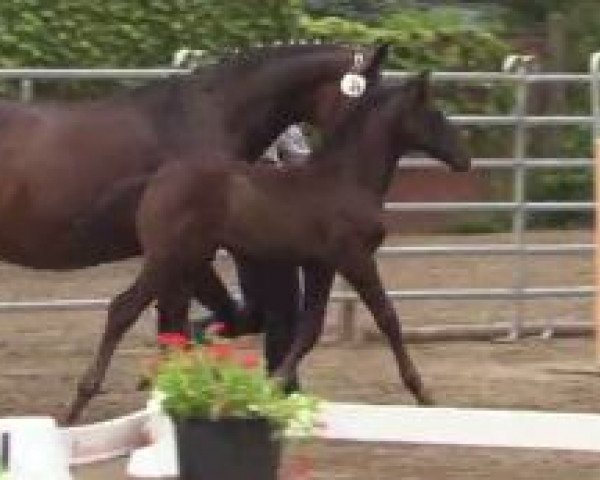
{"x": 353, "y": 85}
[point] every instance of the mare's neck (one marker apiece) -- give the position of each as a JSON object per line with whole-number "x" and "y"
{"x": 257, "y": 109}
{"x": 239, "y": 108}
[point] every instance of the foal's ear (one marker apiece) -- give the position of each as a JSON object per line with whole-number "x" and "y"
{"x": 380, "y": 53}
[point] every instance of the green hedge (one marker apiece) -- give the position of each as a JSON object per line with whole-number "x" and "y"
{"x": 129, "y": 33}
{"x": 419, "y": 40}
{"x": 133, "y": 33}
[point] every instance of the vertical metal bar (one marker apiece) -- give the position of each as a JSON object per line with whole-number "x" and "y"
{"x": 26, "y": 89}
{"x": 521, "y": 66}
{"x": 595, "y": 107}
{"x": 595, "y": 92}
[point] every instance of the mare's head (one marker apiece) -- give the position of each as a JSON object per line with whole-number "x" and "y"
{"x": 420, "y": 125}
{"x": 330, "y": 101}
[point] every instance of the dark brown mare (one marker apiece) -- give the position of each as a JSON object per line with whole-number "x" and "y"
{"x": 326, "y": 217}
{"x": 57, "y": 161}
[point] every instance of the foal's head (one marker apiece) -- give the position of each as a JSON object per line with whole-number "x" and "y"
{"x": 422, "y": 126}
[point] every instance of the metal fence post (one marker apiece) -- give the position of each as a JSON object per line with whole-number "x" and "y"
{"x": 26, "y": 89}
{"x": 595, "y": 107}
{"x": 595, "y": 93}
{"x": 520, "y": 65}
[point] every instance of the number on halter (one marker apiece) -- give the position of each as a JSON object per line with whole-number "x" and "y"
{"x": 354, "y": 84}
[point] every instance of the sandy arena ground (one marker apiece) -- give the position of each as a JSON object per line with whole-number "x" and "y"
{"x": 42, "y": 354}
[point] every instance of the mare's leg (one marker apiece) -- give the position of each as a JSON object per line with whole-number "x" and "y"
{"x": 318, "y": 282}
{"x": 173, "y": 314}
{"x": 209, "y": 289}
{"x": 281, "y": 304}
{"x": 252, "y": 278}
{"x": 360, "y": 271}
{"x": 122, "y": 314}
{"x": 252, "y": 320}
{"x": 271, "y": 296}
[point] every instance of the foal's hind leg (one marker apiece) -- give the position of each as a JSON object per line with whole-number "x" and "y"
{"x": 360, "y": 271}
{"x": 122, "y": 314}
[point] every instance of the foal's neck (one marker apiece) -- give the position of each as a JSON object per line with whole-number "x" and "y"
{"x": 365, "y": 158}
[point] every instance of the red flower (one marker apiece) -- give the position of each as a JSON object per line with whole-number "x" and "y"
{"x": 250, "y": 361}
{"x": 174, "y": 340}
{"x": 220, "y": 351}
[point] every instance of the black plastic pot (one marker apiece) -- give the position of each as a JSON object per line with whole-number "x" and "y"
{"x": 227, "y": 449}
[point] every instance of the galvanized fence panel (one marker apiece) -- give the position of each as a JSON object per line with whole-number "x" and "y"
{"x": 518, "y": 72}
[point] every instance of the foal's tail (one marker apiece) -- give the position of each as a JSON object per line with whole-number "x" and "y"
{"x": 109, "y": 225}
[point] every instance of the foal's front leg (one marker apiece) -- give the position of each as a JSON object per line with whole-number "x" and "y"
{"x": 318, "y": 281}
{"x": 360, "y": 270}
{"x": 122, "y": 314}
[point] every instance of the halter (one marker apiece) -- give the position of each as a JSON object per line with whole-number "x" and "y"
{"x": 354, "y": 83}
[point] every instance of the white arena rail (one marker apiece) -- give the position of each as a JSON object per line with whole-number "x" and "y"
{"x": 148, "y": 435}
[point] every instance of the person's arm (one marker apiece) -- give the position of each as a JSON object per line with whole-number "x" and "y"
{"x": 293, "y": 146}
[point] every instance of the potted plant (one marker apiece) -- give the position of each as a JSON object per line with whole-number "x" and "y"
{"x": 229, "y": 416}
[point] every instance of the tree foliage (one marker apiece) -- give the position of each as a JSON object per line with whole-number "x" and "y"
{"x": 356, "y": 9}
{"x": 128, "y": 33}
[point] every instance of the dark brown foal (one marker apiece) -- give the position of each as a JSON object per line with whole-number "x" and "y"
{"x": 59, "y": 162}
{"x": 325, "y": 216}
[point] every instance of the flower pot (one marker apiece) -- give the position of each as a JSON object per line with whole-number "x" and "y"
{"x": 227, "y": 449}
